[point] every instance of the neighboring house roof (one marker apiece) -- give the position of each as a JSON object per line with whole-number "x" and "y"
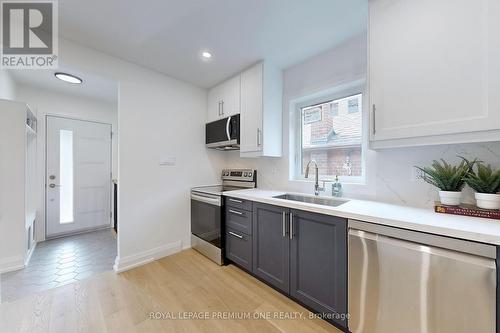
{"x": 346, "y": 132}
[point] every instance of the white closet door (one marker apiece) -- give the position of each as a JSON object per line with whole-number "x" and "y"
{"x": 78, "y": 179}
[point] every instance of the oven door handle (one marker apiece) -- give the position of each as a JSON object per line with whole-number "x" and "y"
{"x": 216, "y": 201}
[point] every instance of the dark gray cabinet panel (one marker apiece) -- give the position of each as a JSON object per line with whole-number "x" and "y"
{"x": 239, "y": 248}
{"x": 271, "y": 243}
{"x": 318, "y": 263}
{"x": 239, "y": 219}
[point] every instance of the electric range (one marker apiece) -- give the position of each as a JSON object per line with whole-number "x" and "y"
{"x": 207, "y": 211}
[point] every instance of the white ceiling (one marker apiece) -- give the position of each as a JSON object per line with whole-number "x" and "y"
{"x": 167, "y": 35}
{"x": 93, "y": 86}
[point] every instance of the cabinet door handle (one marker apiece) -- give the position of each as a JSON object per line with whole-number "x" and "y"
{"x": 235, "y": 235}
{"x": 373, "y": 119}
{"x": 284, "y": 222}
{"x": 234, "y": 200}
{"x": 222, "y": 106}
{"x": 235, "y": 212}
{"x": 219, "y": 108}
{"x": 291, "y": 225}
{"x": 258, "y": 136}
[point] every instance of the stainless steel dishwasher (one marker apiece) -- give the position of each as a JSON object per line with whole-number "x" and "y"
{"x": 413, "y": 282}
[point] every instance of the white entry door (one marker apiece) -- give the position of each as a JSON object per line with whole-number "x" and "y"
{"x": 78, "y": 179}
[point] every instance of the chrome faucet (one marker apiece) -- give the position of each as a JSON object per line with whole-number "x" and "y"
{"x": 317, "y": 189}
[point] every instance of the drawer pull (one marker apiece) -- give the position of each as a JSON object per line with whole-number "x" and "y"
{"x": 235, "y": 235}
{"x": 234, "y": 200}
{"x": 235, "y": 212}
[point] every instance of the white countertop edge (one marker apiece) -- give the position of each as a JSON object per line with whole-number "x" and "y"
{"x": 417, "y": 219}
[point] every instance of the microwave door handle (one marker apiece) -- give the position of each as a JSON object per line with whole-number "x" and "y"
{"x": 227, "y": 128}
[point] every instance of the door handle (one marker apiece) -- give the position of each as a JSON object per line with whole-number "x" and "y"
{"x": 54, "y": 185}
{"x": 291, "y": 225}
{"x": 222, "y": 106}
{"x": 218, "y": 109}
{"x": 258, "y": 136}
{"x": 234, "y": 200}
{"x": 284, "y": 222}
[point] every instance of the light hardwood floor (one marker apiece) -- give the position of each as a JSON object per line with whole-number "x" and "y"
{"x": 175, "y": 286}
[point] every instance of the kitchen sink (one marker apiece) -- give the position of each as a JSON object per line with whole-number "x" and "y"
{"x": 333, "y": 202}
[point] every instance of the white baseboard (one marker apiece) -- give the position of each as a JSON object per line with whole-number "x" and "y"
{"x": 10, "y": 264}
{"x": 145, "y": 257}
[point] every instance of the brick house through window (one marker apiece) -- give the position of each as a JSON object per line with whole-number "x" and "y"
{"x": 332, "y": 136}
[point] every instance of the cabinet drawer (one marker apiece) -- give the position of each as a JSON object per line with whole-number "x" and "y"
{"x": 239, "y": 219}
{"x": 239, "y": 248}
{"x": 239, "y": 203}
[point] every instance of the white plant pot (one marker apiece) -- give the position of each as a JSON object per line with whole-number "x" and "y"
{"x": 488, "y": 200}
{"x": 450, "y": 198}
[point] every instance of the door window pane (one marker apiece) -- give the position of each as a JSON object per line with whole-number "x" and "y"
{"x": 66, "y": 174}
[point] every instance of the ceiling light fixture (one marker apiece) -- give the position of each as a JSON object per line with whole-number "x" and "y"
{"x": 68, "y": 78}
{"x": 206, "y": 55}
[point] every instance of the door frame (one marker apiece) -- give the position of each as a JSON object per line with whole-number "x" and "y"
{"x": 46, "y": 116}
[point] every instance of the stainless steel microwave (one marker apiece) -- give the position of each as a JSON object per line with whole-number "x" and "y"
{"x": 223, "y": 134}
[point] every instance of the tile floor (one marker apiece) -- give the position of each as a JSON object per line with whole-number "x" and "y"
{"x": 61, "y": 261}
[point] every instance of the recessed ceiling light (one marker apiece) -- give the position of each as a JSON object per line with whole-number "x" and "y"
{"x": 206, "y": 55}
{"x": 68, "y": 78}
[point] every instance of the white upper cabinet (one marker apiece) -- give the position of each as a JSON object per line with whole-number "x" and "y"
{"x": 434, "y": 71}
{"x": 224, "y": 99}
{"x": 261, "y": 111}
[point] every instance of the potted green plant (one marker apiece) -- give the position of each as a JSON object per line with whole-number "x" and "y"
{"x": 486, "y": 183}
{"x": 450, "y": 179}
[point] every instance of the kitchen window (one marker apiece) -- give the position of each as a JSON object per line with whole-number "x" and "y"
{"x": 329, "y": 130}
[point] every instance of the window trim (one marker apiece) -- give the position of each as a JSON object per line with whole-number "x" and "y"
{"x": 338, "y": 92}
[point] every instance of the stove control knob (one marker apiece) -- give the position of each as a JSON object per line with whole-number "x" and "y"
{"x": 245, "y": 174}
{"x": 249, "y": 174}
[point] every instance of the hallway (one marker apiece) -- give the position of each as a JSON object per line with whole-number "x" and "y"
{"x": 61, "y": 261}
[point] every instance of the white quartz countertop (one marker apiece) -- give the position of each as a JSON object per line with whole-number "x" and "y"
{"x": 418, "y": 219}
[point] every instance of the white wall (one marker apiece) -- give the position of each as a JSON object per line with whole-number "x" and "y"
{"x": 46, "y": 102}
{"x": 12, "y": 191}
{"x": 389, "y": 172}
{"x": 7, "y": 86}
{"x": 159, "y": 117}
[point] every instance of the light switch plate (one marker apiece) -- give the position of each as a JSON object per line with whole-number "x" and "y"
{"x": 168, "y": 161}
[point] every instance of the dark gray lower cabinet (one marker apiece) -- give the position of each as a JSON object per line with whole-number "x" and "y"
{"x": 271, "y": 244}
{"x": 318, "y": 263}
{"x": 310, "y": 265}
{"x": 239, "y": 248}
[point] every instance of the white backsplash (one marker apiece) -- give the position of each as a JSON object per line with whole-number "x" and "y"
{"x": 389, "y": 172}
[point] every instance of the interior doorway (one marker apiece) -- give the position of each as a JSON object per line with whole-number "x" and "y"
{"x": 74, "y": 171}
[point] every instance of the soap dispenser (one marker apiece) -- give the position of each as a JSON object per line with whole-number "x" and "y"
{"x": 337, "y": 188}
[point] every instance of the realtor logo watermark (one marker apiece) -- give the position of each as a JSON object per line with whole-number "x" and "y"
{"x": 29, "y": 36}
